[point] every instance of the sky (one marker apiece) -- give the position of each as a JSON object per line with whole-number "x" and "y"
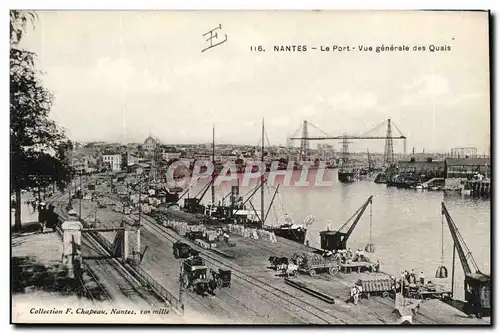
{"x": 122, "y": 76}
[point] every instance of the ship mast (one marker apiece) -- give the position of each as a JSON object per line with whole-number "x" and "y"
{"x": 213, "y": 164}
{"x": 262, "y": 178}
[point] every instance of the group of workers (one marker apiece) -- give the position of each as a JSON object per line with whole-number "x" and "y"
{"x": 356, "y": 291}
{"x": 47, "y": 218}
{"x": 409, "y": 282}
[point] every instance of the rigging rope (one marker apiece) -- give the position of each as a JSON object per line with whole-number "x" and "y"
{"x": 323, "y": 132}
{"x": 374, "y": 128}
{"x": 442, "y": 238}
{"x": 370, "y": 224}
{"x": 397, "y": 129}
{"x": 350, "y": 219}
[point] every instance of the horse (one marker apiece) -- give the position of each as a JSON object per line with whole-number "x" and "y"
{"x": 278, "y": 262}
{"x": 291, "y": 270}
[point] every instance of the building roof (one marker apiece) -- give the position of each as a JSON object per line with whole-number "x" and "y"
{"x": 169, "y": 149}
{"x": 409, "y": 162}
{"x": 140, "y": 164}
{"x": 468, "y": 161}
{"x": 110, "y": 153}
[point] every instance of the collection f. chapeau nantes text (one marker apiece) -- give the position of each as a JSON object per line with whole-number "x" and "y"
{"x": 94, "y": 311}
{"x": 382, "y": 48}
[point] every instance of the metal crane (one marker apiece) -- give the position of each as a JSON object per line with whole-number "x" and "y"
{"x": 477, "y": 285}
{"x": 350, "y": 137}
{"x": 388, "y": 152}
{"x": 334, "y": 240}
{"x": 193, "y": 204}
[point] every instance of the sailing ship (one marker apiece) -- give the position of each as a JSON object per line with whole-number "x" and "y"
{"x": 241, "y": 211}
{"x": 346, "y": 175}
{"x": 381, "y": 178}
{"x": 288, "y": 229}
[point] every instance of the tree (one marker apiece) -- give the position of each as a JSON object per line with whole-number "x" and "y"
{"x": 37, "y": 144}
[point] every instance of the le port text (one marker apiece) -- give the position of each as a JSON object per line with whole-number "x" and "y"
{"x": 360, "y": 48}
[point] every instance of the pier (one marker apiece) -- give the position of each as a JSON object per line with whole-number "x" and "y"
{"x": 155, "y": 276}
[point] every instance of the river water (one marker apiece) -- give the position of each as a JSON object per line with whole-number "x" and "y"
{"x": 406, "y": 224}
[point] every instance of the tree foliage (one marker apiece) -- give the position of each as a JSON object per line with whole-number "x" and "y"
{"x": 37, "y": 145}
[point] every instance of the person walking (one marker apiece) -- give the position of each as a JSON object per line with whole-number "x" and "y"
{"x": 421, "y": 278}
{"x": 42, "y": 216}
{"x": 51, "y": 218}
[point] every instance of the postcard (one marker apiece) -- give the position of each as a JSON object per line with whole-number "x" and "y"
{"x": 250, "y": 167}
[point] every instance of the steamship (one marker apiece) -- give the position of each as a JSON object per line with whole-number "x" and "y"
{"x": 289, "y": 231}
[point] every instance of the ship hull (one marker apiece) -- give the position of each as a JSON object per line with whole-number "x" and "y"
{"x": 345, "y": 176}
{"x": 297, "y": 235}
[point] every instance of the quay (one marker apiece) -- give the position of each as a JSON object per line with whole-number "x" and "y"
{"x": 105, "y": 283}
{"x": 257, "y": 295}
{"x": 477, "y": 188}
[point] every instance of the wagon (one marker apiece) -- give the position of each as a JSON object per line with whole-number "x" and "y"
{"x": 313, "y": 264}
{"x": 194, "y": 276}
{"x": 222, "y": 277}
{"x": 377, "y": 287}
{"x": 181, "y": 250}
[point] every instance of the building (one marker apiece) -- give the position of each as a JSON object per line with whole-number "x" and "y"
{"x": 150, "y": 144}
{"x": 132, "y": 159}
{"x": 169, "y": 153}
{"x": 112, "y": 160}
{"x": 428, "y": 167}
{"x": 139, "y": 168}
{"x": 467, "y": 168}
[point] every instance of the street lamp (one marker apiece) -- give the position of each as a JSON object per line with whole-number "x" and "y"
{"x": 80, "y": 195}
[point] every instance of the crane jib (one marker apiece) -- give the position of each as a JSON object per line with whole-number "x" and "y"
{"x": 463, "y": 251}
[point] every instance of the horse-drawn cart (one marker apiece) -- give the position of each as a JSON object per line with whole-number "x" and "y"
{"x": 377, "y": 287}
{"x": 222, "y": 277}
{"x": 313, "y": 263}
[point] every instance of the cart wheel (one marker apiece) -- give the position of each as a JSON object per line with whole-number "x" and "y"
{"x": 219, "y": 283}
{"x": 446, "y": 297}
{"x": 333, "y": 270}
{"x": 312, "y": 272}
{"x": 385, "y": 294}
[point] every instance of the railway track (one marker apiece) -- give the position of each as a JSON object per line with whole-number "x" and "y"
{"x": 332, "y": 278}
{"x": 277, "y": 293}
{"x": 99, "y": 267}
{"x": 280, "y": 294}
{"x": 88, "y": 292}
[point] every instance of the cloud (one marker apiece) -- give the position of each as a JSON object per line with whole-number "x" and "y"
{"x": 109, "y": 75}
{"x": 434, "y": 88}
{"x": 341, "y": 101}
{"x": 352, "y": 101}
{"x": 429, "y": 86}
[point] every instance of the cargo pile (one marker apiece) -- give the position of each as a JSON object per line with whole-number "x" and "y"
{"x": 266, "y": 235}
{"x": 309, "y": 259}
{"x": 180, "y": 227}
{"x": 204, "y": 244}
{"x": 251, "y": 233}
